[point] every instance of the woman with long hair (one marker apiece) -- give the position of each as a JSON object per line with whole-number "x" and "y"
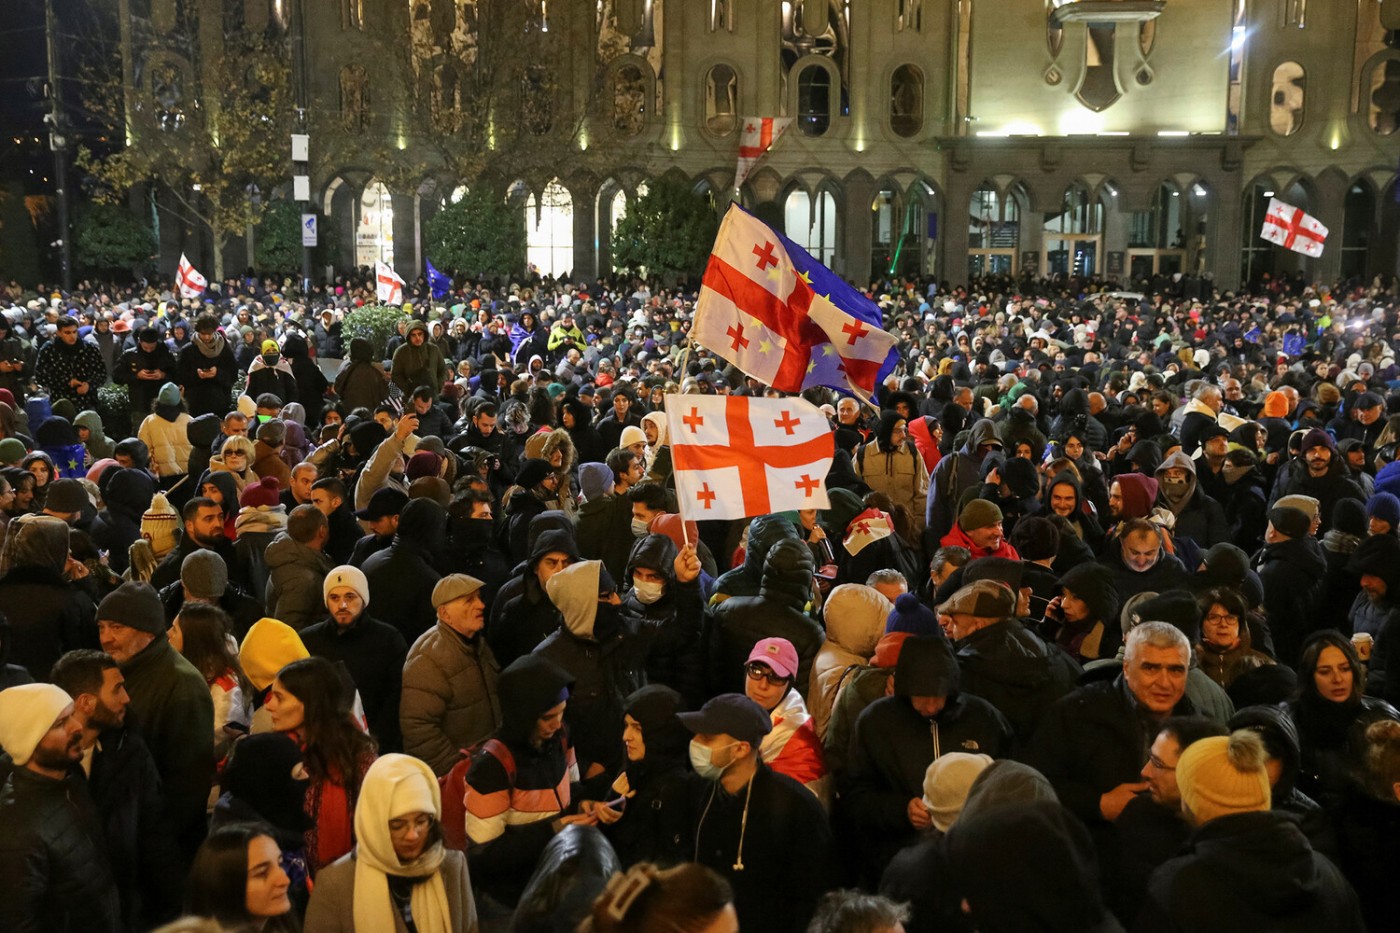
{"x": 310, "y": 702}
{"x": 1332, "y": 713}
{"x": 237, "y": 879}
{"x": 40, "y": 465}
{"x": 400, "y": 870}
{"x": 201, "y": 634}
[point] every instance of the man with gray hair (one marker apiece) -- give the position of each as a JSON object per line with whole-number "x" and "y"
{"x": 1093, "y": 743}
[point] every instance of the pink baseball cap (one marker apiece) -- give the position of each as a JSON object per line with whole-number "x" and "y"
{"x": 777, "y": 653}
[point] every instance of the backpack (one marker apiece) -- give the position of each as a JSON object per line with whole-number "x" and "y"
{"x": 453, "y": 786}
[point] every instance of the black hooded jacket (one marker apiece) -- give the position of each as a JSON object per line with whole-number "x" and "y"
{"x": 738, "y": 623}
{"x": 746, "y": 579}
{"x": 1250, "y": 871}
{"x": 402, "y": 576}
{"x": 527, "y": 616}
{"x": 128, "y": 496}
{"x": 671, "y": 626}
{"x": 893, "y": 745}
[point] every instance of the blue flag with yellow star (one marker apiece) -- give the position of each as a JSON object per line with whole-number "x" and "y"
{"x": 68, "y": 460}
{"x": 439, "y": 283}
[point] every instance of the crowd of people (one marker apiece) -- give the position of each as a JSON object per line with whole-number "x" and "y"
{"x": 1098, "y": 630}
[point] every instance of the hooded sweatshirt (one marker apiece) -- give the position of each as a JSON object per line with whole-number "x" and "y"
{"x": 897, "y": 471}
{"x": 98, "y": 446}
{"x": 597, "y": 652}
{"x": 513, "y": 795}
{"x": 855, "y": 621}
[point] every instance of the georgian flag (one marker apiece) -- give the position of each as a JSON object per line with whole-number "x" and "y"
{"x": 758, "y": 136}
{"x": 770, "y": 308}
{"x": 388, "y": 287}
{"x": 736, "y": 456}
{"x": 865, "y": 529}
{"x": 1291, "y": 228}
{"x": 191, "y": 283}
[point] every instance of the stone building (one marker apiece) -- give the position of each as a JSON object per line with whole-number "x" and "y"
{"x": 936, "y": 137}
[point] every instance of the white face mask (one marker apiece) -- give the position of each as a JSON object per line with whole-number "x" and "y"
{"x": 639, "y": 527}
{"x": 701, "y": 760}
{"x": 646, "y": 591}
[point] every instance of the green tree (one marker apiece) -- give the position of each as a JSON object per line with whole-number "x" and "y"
{"x": 278, "y": 239}
{"x": 375, "y": 323}
{"x": 111, "y": 239}
{"x": 479, "y": 235}
{"x": 669, "y": 231}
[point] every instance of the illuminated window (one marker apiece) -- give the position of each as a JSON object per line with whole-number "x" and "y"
{"x": 374, "y": 235}
{"x": 549, "y": 231}
{"x": 812, "y": 224}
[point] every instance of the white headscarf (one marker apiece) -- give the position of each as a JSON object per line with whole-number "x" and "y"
{"x": 395, "y": 786}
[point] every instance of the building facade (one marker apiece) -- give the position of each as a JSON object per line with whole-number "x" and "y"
{"x": 1126, "y": 138}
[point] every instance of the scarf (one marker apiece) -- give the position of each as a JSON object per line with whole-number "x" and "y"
{"x": 1176, "y": 495}
{"x": 213, "y": 350}
{"x": 396, "y": 786}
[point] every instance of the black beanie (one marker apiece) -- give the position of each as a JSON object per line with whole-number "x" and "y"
{"x": 1020, "y": 477}
{"x": 1035, "y": 537}
{"x": 135, "y": 605}
{"x": 1349, "y": 517}
{"x": 1177, "y": 608}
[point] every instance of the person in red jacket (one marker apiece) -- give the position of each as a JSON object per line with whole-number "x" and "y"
{"x": 978, "y": 529}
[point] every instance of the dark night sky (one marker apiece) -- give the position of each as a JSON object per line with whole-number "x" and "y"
{"x": 22, "y": 38}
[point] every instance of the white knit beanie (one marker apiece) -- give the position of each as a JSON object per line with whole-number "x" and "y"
{"x": 946, "y": 785}
{"x": 27, "y": 713}
{"x": 346, "y": 575}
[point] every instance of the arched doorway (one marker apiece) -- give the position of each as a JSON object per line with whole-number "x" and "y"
{"x": 994, "y": 232}
{"x": 811, "y": 223}
{"x": 1073, "y": 235}
{"x": 1157, "y": 236}
{"x": 374, "y": 230}
{"x": 1358, "y": 229}
{"x": 549, "y": 231}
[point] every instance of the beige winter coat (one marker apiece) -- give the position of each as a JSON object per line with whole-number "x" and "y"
{"x": 855, "y": 621}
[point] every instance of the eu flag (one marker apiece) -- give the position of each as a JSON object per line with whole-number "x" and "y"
{"x": 842, "y": 295}
{"x": 438, "y": 283}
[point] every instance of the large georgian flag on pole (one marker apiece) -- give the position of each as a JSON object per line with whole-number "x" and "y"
{"x": 388, "y": 287}
{"x": 778, "y": 314}
{"x": 191, "y": 283}
{"x": 758, "y": 136}
{"x": 736, "y": 456}
{"x": 1291, "y": 228}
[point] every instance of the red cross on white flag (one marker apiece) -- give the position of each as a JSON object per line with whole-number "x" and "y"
{"x": 736, "y": 456}
{"x": 865, "y": 529}
{"x": 191, "y": 283}
{"x": 388, "y": 286}
{"x": 757, "y": 137}
{"x": 1291, "y": 228}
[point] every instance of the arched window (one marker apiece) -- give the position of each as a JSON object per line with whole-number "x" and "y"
{"x": 1079, "y": 213}
{"x": 1357, "y": 227}
{"x": 374, "y": 234}
{"x": 549, "y": 231}
{"x": 1383, "y": 97}
{"x": 721, "y": 100}
{"x": 811, "y": 223}
{"x": 354, "y": 98}
{"x": 906, "y": 101}
{"x": 1286, "y": 101}
{"x": 814, "y": 100}
{"x": 458, "y": 193}
{"x": 629, "y": 100}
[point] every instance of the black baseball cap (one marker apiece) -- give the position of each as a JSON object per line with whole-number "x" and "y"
{"x": 386, "y": 501}
{"x": 731, "y": 714}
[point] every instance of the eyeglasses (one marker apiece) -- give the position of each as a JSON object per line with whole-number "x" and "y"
{"x": 758, "y": 671}
{"x": 1221, "y": 618}
{"x": 1159, "y": 764}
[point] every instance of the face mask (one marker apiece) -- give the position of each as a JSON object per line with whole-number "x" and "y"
{"x": 1173, "y": 482}
{"x": 647, "y": 592}
{"x": 700, "y": 760}
{"x": 270, "y": 360}
{"x": 639, "y": 527}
